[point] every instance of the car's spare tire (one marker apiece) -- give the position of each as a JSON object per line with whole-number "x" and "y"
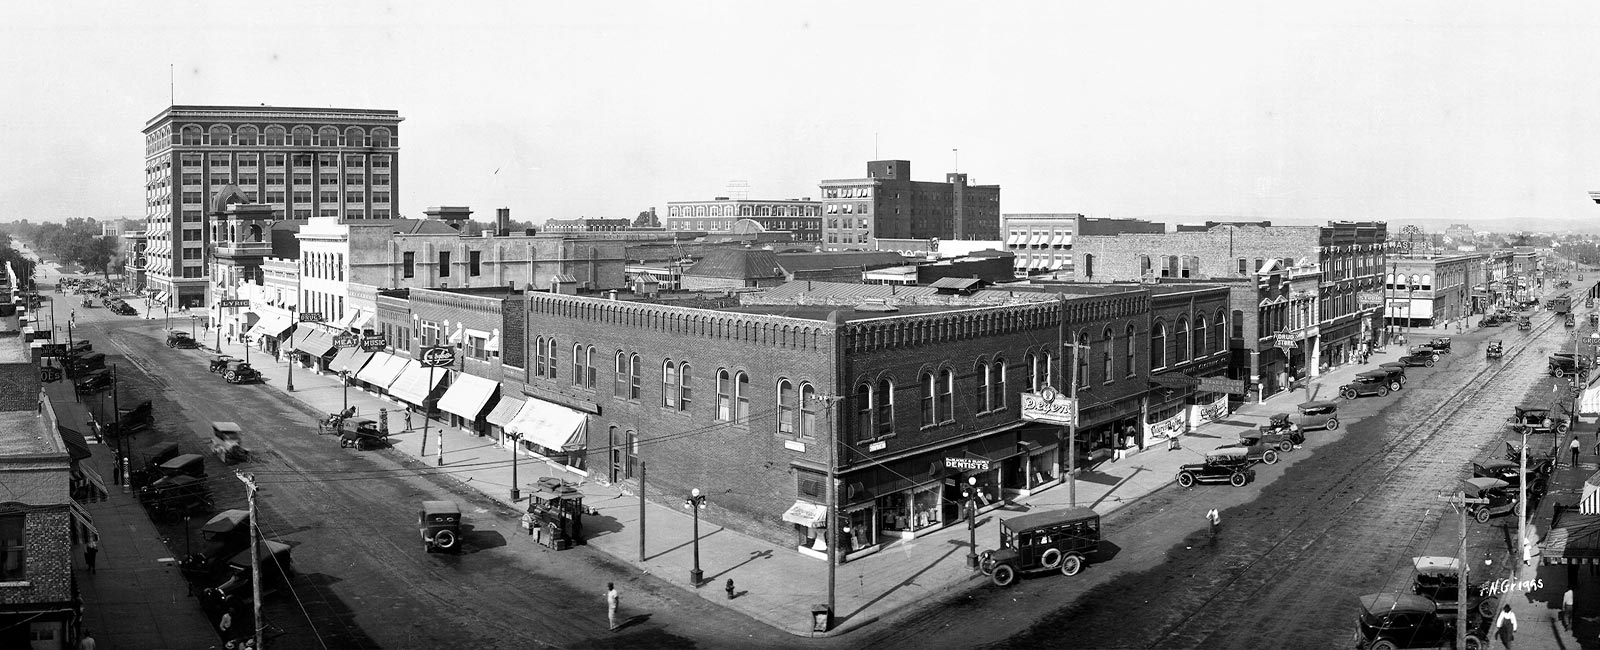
{"x": 444, "y": 539}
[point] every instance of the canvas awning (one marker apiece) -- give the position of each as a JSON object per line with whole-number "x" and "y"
{"x": 1590, "y": 504}
{"x": 806, "y": 513}
{"x": 415, "y": 382}
{"x": 1573, "y": 539}
{"x": 504, "y": 412}
{"x": 1014, "y": 239}
{"x": 74, "y": 419}
{"x": 493, "y": 346}
{"x": 162, "y": 297}
{"x": 362, "y": 320}
{"x": 270, "y": 325}
{"x": 468, "y": 395}
{"x": 81, "y": 515}
{"x": 352, "y": 359}
{"x": 345, "y": 320}
{"x": 88, "y": 474}
{"x": 549, "y": 425}
{"x": 313, "y": 341}
{"x": 382, "y": 369}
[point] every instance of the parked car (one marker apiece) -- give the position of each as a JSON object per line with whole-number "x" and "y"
{"x": 80, "y": 347}
{"x": 1258, "y": 448}
{"x": 440, "y": 524}
{"x": 1396, "y": 372}
{"x": 1389, "y": 621}
{"x": 1501, "y": 498}
{"x": 277, "y": 567}
{"x": 1425, "y": 358}
{"x": 1495, "y": 350}
{"x": 1321, "y": 414}
{"x": 361, "y": 433}
{"x": 93, "y": 382}
{"x": 1562, "y": 364}
{"x": 1438, "y": 579}
{"x": 1440, "y": 344}
{"x": 1507, "y": 470}
{"x": 1534, "y": 419}
{"x": 1570, "y": 321}
{"x": 1223, "y": 464}
{"x": 1366, "y": 383}
{"x": 219, "y": 363}
{"x": 183, "y": 340}
{"x": 153, "y": 457}
{"x": 1524, "y": 323}
{"x": 1053, "y": 540}
{"x": 174, "y": 496}
{"x": 77, "y": 365}
{"x": 1424, "y": 349}
{"x": 1490, "y": 320}
{"x": 239, "y": 372}
{"x": 225, "y": 535}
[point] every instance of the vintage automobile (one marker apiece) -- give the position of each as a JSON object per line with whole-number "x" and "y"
{"x": 1389, "y": 620}
{"x": 1321, "y": 414}
{"x": 555, "y": 513}
{"x": 118, "y": 306}
{"x": 93, "y": 382}
{"x": 1502, "y": 499}
{"x": 1440, "y": 344}
{"x": 175, "y": 496}
{"x": 1490, "y": 320}
{"x": 224, "y": 536}
{"x": 1495, "y": 350}
{"x": 1506, "y": 470}
{"x": 1053, "y": 540}
{"x": 1562, "y": 364}
{"x": 1366, "y": 383}
{"x": 136, "y": 419}
{"x": 176, "y": 339}
{"x": 153, "y": 457}
{"x": 1258, "y": 448}
{"x": 1424, "y": 350}
{"x": 1534, "y": 419}
{"x": 1223, "y": 464}
{"x": 440, "y": 524}
{"x": 1396, "y": 372}
{"x": 1281, "y": 433}
{"x": 225, "y": 443}
{"x": 80, "y": 348}
{"x": 1438, "y": 579}
{"x": 1570, "y": 321}
{"x": 1414, "y": 359}
{"x": 220, "y": 362}
{"x": 361, "y": 433}
{"x": 239, "y": 372}
{"x": 77, "y": 365}
{"x": 277, "y": 567}
{"x": 1524, "y": 323}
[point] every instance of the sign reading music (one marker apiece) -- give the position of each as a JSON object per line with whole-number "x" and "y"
{"x": 1049, "y": 406}
{"x": 374, "y": 343}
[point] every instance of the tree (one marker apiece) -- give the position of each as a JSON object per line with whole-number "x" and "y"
{"x": 647, "y": 219}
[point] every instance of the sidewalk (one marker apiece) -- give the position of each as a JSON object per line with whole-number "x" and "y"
{"x": 775, "y": 584}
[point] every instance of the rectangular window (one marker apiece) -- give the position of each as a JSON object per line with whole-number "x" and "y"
{"x": 328, "y": 181}
{"x": 302, "y": 161}
{"x": 191, "y": 160}
{"x": 274, "y": 197}
{"x": 430, "y": 333}
{"x": 633, "y": 453}
{"x": 247, "y": 179}
{"x": 302, "y": 197}
{"x": 13, "y": 548}
{"x": 380, "y": 180}
{"x": 327, "y": 162}
{"x": 302, "y": 181}
{"x": 380, "y": 197}
{"x": 475, "y": 263}
{"x": 444, "y": 264}
{"x": 219, "y": 160}
{"x": 408, "y": 265}
{"x": 328, "y": 197}
{"x": 274, "y": 160}
{"x": 380, "y": 162}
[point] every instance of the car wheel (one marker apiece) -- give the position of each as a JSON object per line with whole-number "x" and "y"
{"x": 1072, "y": 565}
{"x": 1270, "y": 456}
{"x": 1428, "y": 363}
{"x": 1333, "y": 424}
{"x": 1482, "y": 515}
{"x": 1185, "y": 479}
{"x": 1238, "y": 479}
{"x": 1488, "y": 607}
{"x": 1396, "y": 385}
{"x": 1474, "y": 642}
{"x": 1383, "y": 644}
{"x": 1557, "y": 373}
{"x": 986, "y": 563}
{"x": 1004, "y": 575}
{"x": 1561, "y": 428}
{"x": 444, "y": 539}
{"x": 1383, "y": 391}
{"x": 1347, "y": 394}
{"x": 230, "y": 377}
{"x": 1285, "y": 446}
{"x": 1051, "y": 558}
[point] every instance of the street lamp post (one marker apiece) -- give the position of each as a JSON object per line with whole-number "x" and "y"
{"x": 289, "y": 385}
{"x": 970, "y": 493}
{"x": 344, "y": 378}
{"x": 516, "y": 492}
{"x": 695, "y": 503}
{"x": 244, "y": 340}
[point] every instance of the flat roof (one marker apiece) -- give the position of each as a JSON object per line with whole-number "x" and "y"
{"x": 14, "y": 350}
{"x": 849, "y": 313}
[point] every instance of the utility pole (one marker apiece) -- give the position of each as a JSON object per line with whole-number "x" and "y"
{"x": 1072, "y": 436}
{"x": 249, "y": 481}
{"x": 423, "y": 451}
{"x": 641, "y": 510}
{"x": 1462, "y": 504}
{"x": 116, "y": 427}
{"x": 832, "y": 529}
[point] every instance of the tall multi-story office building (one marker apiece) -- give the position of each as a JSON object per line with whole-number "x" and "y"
{"x": 304, "y": 162}
{"x": 887, "y": 204}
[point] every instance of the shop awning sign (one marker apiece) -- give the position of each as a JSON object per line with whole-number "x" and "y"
{"x": 1222, "y": 385}
{"x": 1049, "y": 406}
{"x": 967, "y": 464}
{"x": 374, "y": 343}
{"x": 346, "y": 341}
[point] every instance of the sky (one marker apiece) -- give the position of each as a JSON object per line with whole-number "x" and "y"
{"x": 1457, "y": 111}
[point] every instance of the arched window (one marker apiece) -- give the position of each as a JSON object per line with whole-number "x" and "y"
{"x": 274, "y": 136}
{"x": 191, "y": 135}
{"x": 246, "y": 136}
{"x": 787, "y": 407}
{"x": 380, "y": 137}
{"x": 1129, "y": 345}
{"x": 221, "y": 135}
{"x": 724, "y": 395}
{"x": 1082, "y": 357}
{"x": 947, "y": 390}
{"x": 328, "y": 136}
{"x": 997, "y": 385}
{"x": 577, "y": 365}
{"x": 355, "y": 137}
{"x": 1199, "y": 336}
{"x": 885, "y": 407}
{"x": 1182, "y": 339}
{"x": 930, "y": 399}
{"x": 538, "y": 355}
{"x": 685, "y": 392}
{"x": 1034, "y": 374}
{"x": 864, "y": 411}
{"x": 300, "y": 136}
{"x": 1158, "y": 346}
{"x": 635, "y": 375}
{"x": 1218, "y": 343}
{"x": 550, "y": 357}
{"x": 808, "y": 411}
{"x": 1105, "y": 356}
{"x": 741, "y": 398}
{"x": 669, "y": 384}
{"x": 588, "y": 356}
{"x": 619, "y": 376}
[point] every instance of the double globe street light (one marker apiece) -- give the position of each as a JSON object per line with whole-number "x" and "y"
{"x": 695, "y": 503}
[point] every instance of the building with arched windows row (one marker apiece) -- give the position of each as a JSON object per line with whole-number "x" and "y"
{"x": 802, "y": 217}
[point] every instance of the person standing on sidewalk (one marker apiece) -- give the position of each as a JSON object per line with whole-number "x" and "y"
{"x": 1214, "y": 520}
{"x": 1505, "y": 626}
{"x": 612, "y": 601}
{"x": 408, "y": 419}
{"x": 1575, "y": 446}
{"x": 1566, "y": 609}
{"x": 90, "y": 551}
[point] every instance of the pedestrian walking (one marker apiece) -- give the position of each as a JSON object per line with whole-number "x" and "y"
{"x": 87, "y": 642}
{"x": 611, "y": 604}
{"x": 1566, "y": 609}
{"x": 1505, "y": 626}
{"x": 1575, "y": 446}
{"x": 89, "y": 552}
{"x": 1215, "y": 521}
{"x": 408, "y": 419}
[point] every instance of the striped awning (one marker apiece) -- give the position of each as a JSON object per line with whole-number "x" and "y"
{"x": 504, "y": 411}
{"x": 1574, "y": 538}
{"x": 81, "y": 515}
{"x": 1590, "y": 504}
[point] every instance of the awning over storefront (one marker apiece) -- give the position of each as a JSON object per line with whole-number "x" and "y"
{"x": 73, "y": 419}
{"x": 415, "y": 382}
{"x": 1574, "y": 538}
{"x": 362, "y": 321}
{"x": 352, "y": 359}
{"x": 504, "y": 412}
{"x": 270, "y": 325}
{"x": 86, "y": 474}
{"x": 162, "y": 297}
{"x": 382, "y": 369}
{"x": 81, "y": 515}
{"x": 806, "y": 513}
{"x": 549, "y": 425}
{"x": 1590, "y": 504}
{"x": 468, "y": 395}
{"x": 77, "y": 445}
{"x": 313, "y": 341}
{"x": 345, "y": 320}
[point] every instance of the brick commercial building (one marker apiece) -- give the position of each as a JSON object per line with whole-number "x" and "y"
{"x": 888, "y": 204}
{"x": 1347, "y": 258}
{"x": 911, "y": 390}
{"x": 1431, "y": 290}
{"x": 801, "y": 216}
{"x": 1043, "y": 241}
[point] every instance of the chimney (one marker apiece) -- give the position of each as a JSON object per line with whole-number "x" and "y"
{"x": 564, "y": 285}
{"x": 612, "y": 294}
{"x": 502, "y": 221}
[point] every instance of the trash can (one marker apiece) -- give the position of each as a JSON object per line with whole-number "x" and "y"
{"x": 821, "y": 618}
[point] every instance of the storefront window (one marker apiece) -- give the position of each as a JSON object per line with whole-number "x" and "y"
{"x": 862, "y": 531}
{"x": 1041, "y": 467}
{"x": 910, "y": 510}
